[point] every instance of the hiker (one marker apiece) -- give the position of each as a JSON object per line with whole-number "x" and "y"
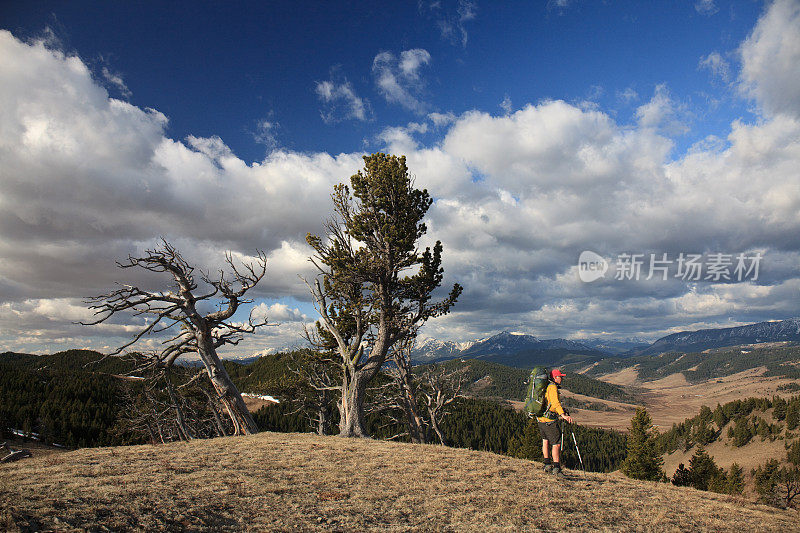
{"x": 549, "y": 427}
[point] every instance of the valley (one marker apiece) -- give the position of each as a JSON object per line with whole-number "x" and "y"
{"x": 672, "y": 399}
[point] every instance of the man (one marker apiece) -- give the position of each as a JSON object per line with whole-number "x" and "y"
{"x": 549, "y": 427}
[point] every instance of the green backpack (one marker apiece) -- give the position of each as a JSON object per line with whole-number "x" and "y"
{"x": 537, "y": 386}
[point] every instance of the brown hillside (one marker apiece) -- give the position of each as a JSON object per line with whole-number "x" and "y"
{"x": 302, "y": 482}
{"x": 672, "y": 399}
{"x": 752, "y": 455}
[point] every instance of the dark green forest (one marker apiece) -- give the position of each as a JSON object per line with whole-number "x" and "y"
{"x": 64, "y": 397}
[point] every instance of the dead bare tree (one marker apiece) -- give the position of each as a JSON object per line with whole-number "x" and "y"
{"x": 424, "y": 396}
{"x": 440, "y": 388}
{"x": 178, "y": 309}
{"x": 407, "y": 397}
{"x": 319, "y": 384}
{"x": 172, "y": 405}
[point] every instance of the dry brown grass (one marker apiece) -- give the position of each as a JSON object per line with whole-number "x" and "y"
{"x": 302, "y": 482}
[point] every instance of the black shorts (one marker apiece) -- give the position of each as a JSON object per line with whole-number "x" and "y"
{"x": 551, "y": 431}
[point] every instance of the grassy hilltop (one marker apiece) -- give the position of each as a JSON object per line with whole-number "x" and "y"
{"x": 291, "y": 482}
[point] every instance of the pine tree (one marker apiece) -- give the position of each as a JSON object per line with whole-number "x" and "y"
{"x": 793, "y": 453}
{"x": 530, "y": 445}
{"x": 779, "y": 408}
{"x": 702, "y": 469}
{"x": 720, "y": 417}
{"x": 643, "y": 460}
{"x": 719, "y": 482}
{"x": 792, "y": 415}
{"x": 742, "y": 432}
{"x": 374, "y": 287}
{"x": 705, "y": 434}
{"x": 682, "y": 476}
{"x": 734, "y": 481}
{"x": 766, "y": 481}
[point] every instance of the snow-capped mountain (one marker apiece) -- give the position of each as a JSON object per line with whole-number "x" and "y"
{"x": 696, "y": 341}
{"x": 507, "y": 343}
{"x": 436, "y": 350}
{"x": 511, "y": 348}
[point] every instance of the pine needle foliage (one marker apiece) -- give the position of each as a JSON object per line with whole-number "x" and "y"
{"x": 643, "y": 460}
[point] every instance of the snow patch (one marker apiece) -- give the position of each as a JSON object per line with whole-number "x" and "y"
{"x": 261, "y": 397}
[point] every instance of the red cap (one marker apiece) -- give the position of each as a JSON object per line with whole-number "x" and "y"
{"x": 556, "y": 373}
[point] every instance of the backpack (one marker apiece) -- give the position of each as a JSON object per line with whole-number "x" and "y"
{"x": 537, "y": 386}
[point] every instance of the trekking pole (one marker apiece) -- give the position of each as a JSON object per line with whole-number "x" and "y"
{"x": 574, "y": 440}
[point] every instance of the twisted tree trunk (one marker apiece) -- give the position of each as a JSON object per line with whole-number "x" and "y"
{"x": 227, "y": 393}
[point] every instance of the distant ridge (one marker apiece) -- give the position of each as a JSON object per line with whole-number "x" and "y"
{"x": 508, "y": 348}
{"x": 523, "y": 350}
{"x": 704, "y": 339}
{"x": 616, "y": 346}
{"x": 507, "y": 343}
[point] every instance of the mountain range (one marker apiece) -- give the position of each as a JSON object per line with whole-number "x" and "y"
{"x": 705, "y": 339}
{"x": 508, "y": 348}
{"x": 523, "y": 350}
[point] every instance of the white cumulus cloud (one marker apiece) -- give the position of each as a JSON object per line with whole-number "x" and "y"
{"x": 771, "y": 59}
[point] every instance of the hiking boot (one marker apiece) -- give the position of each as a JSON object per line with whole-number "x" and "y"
{"x": 558, "y": 473}
{"x": 547, "y": 468}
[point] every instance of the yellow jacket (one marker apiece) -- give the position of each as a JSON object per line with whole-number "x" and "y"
{"x": 553, "y": 405}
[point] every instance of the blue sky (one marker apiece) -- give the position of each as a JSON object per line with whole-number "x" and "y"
{"x": 216, "y": 70}
{"x": 541, "y": 128}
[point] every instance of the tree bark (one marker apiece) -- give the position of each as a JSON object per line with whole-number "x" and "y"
{"x": 435, "y": 426}
{"x": 227, "y": 393}
{"x": 152, "y": 433}
{"x": 351, "y": 407}
{"x": 322, "y": 421}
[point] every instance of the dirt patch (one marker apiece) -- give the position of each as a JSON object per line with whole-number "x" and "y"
{"x": 479, "y": 385}
{"x": 626, "y": 376}
{"x": 519, "y": 406}
{"x": 670, "y": 382}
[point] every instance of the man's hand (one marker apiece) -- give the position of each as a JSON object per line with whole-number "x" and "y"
{"x": 567, "y": 418}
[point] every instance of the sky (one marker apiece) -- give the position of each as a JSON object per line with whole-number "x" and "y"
{"x": 657, "y": 142}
